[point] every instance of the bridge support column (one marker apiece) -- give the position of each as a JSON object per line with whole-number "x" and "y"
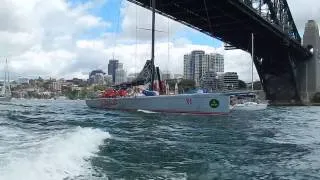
{"x": 309, "y": 71}
{"x": 278, "y": 78}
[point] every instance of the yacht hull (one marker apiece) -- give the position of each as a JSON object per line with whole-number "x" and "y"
{"x": 202, "y": 104}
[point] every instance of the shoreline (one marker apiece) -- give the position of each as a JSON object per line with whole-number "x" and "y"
{"x": 290, "y": 104}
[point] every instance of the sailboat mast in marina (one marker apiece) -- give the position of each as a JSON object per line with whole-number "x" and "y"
{"x": 251, "y": 105}
{"x": 6, "y": 90}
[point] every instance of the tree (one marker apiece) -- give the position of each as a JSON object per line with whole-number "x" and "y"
{"x": 99, "y": 88}
{"x": 72, "y": 94}
{"x": 242, "y": 84}
{"x": 257, "y": 85}
{"x": 186, "y": 85}
{"x": 316, "y": 98}
{"x": 83, "y": 93}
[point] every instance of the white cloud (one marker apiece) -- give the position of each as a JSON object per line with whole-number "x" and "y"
{"x": 39, "y": 36}
{"x": 303, "y": 10}
{"x": 137, "y": 20}
{"x": 167, "y": 58}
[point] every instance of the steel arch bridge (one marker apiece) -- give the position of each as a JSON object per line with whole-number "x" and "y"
{"x": 278, "y": 49}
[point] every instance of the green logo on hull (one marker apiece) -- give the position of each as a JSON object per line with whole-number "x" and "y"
{"x": 214, "y": 103}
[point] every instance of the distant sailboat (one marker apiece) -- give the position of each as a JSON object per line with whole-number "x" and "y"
{"x": 251, "y": 105}
{"x": 6, "y": 90}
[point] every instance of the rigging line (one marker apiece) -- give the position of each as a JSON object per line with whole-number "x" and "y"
{"x": 252, "y": 52}
{"x": 148, "y": 29}
{"x": 136, "y": 48}
{"x": 116, "y": 31}
{"x": 168, "y": 60}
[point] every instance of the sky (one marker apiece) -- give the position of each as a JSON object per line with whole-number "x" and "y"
{"x": 69, "y": 38}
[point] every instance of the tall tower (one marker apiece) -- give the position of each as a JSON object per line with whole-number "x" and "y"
{"x": 112, "y": 67}
{"x": 187, "y": 64}
{"x": 216, "y": 62}
{"x": 198, "y": 58}
{"x": 309, "y": 72}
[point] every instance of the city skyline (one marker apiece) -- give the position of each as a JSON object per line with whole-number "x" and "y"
{"x": 80, "y": 37}
{"x": 197, "y": 63}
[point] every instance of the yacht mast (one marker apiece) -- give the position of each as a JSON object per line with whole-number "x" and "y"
{"x": 252, "y": 55}
{"x": 152, "y": 43}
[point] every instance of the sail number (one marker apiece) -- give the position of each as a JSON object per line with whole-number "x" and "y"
{"x": 188, "y": 100}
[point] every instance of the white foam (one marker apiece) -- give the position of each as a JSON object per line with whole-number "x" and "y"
{"x": 146, "y": 111}
{"x": 63, "y": 156}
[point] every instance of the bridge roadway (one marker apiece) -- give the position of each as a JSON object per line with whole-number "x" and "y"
{"x": 278, "y": 50}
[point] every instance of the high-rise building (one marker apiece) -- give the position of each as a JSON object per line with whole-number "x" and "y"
{"x": 209, "y": 81}
{"x": 120, "y": 66}
{"x": 120, "y": 76}
{"x": 108, "y": 79}
{"x": 193, "y": 65}
{"x": 198, "y": 63}
{"x": 216, "y": 62}
{"x": 188, "y": 68}
{"x": 112, "y": 67}
{"x": 309, "y": 72}
{"x": 199, "y": 57}
{"x": 228, "y": 81}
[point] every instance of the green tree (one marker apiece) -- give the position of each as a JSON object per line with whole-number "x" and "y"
{"x": 186, "y": 85}
{"x": 257, "y": 85}
{"x": 99, "y": 88}
{"x": 316, "y": 98}
{"x": 72, "y": 94}
{"x": 242, "y": 84}
{"x": 83, "y": 93}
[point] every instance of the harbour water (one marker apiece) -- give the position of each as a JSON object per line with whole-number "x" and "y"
{"x": 65, "y": 140}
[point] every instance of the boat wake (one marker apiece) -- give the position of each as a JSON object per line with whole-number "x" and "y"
{"x": 146, "y": 111}
{"x": 64, "y": 155}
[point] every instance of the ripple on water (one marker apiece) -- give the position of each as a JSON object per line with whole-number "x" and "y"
{"x": 67, "y": 140}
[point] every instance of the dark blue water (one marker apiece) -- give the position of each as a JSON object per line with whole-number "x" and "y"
{"x": 66, "y": 140}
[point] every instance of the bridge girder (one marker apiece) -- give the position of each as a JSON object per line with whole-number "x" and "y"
{"x": 278, "y": 13}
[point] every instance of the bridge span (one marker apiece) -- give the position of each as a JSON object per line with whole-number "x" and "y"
{"x": 278, "y": 50}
